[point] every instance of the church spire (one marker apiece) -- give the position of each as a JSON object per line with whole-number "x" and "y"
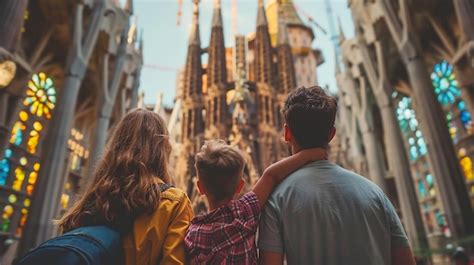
{"x": 217, "y": 16}
{"x": 217, "y": 71}
{"x": 282, "y": 30}
{"x": 261, "y": 16}
{"x": 194, "y": 37}
{"x": 192, "y": 85}
{"x": 263, "y": 49}
{"x": 286, "y": 70}
{"x": 215, "y": 101}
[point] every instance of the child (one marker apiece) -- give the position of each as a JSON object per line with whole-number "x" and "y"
{"x": 226, "y": 235}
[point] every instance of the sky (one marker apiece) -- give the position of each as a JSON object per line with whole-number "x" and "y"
{"x": 165, "y": 42}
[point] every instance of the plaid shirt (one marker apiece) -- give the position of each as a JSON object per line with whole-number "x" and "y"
{"x": 226, "y": 235}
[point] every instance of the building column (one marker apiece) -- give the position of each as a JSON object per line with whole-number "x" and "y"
{"x": 373, "y": 152}
{"x": 107, "y": 99}
{"x": 45, "y": 202}
{"x": 136, "y": 80}
{"x": 11, "y": 21}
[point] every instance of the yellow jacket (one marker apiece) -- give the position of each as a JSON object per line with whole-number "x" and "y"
{"x": 159, "y": 238}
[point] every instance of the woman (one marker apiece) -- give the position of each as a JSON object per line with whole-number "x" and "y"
{"x": 125, "y": 193}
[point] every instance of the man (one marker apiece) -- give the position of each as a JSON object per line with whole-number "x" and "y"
{"x": 322, "y": 213}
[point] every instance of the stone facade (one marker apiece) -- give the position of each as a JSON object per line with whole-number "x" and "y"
{"x": 406, "y": 83}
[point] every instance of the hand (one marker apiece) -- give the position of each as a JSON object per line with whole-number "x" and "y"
{"x": 314, "y": 154}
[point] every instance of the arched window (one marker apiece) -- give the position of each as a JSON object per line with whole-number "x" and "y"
{"x": 20, "y": 167}
{"x": 459, "y": 120}
{"x": 409, "y": 126}
{"x": 417, "y": 152}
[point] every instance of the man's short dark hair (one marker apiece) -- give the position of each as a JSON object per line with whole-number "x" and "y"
{"x": 310, "y": 114}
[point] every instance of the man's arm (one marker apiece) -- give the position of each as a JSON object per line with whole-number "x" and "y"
{"x": 274, "y": 174}
{"x": 402, "y": 256}
{"x": 401, "y": 252}
{"x": 270, "y": 258}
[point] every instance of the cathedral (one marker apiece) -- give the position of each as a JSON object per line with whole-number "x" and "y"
{"x": 239, "y": 93}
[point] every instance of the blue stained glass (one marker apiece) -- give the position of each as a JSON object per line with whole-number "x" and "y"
{"x": 464, "y": 114}
{"x": 8, "y": 153}
{"x": 4, "y": 171}
{"x": 421, "y": 189}
{"x": 429, "y": 180}
{"x": 5, "y": 167}
{"x": 413, "y": 153}
{"x": 465, "y": 117}
{"x": 445, "y": 84}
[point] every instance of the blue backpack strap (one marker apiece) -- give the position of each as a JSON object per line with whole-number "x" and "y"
{"x": 164, "y": 186}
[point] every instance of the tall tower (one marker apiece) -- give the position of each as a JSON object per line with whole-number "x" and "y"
{"x": 192, "y": 102}
{"x": 301, "y": 36}
{"x": 265, "y": 91}
{"x": 286, "y": 69}
{"x": 215, "y": 100}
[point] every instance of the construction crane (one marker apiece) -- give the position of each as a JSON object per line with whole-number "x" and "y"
{"x": 334, "y": 35}
{"x": 180, "y": 12}
{"x": 310, "y": 19}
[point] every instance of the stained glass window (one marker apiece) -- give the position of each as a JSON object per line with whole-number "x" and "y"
{"x": 19, "y": 178}
{"x": 34, "y": 137}
{"x": 79, "y": 152}
{"x": 23, "y": 217}
{"x": 20, "y": 170}
{"x": 17, "y": 133}
{"x": 421, "y": 189}
{"x": 6, "y": 217}
{"x": 406, "y": 115}
{"x": 41, "y": 95}
{"x": 466, "y": 165}
{"x": 32, "y": 179}
{"x": 430, "y": 182}
{"x": 445, "y": 84}
{"x": 409, "y": 125}
{"x": 464, "y": 114}
{"x": 5, "y": 167}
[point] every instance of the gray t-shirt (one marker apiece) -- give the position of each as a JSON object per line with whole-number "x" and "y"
{"x": 324, "y": 214}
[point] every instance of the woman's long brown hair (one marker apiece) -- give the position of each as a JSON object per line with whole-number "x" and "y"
{"x": 124, "y": 181}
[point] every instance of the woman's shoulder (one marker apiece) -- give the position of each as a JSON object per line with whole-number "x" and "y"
{"x": 174, "y": 194}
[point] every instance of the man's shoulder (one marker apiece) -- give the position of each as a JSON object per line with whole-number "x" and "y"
{"x": 320, "y": 173}
{"x": 311, "y": 170}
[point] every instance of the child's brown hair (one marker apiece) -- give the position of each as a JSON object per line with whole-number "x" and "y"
{"x": 219, "y": 167}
